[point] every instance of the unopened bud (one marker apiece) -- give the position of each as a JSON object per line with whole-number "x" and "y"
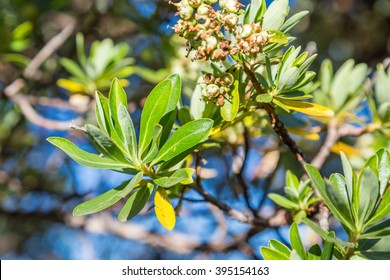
{"x": 246, "y": 31}
{"x": 212, "y": 90}
{"x": 227, "y": 79}
{"x": 208, "y": 78}
{"x": 204, "y": 10}
{"x": 231, "y": 20}
{"x": 211, "y": 43}
{"x": 186, "y": 12}
{"x": 222, "y": 4}
{"x": 231, "y": 6}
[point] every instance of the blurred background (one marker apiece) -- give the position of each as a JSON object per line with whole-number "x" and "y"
{"x": 39, "y": 185}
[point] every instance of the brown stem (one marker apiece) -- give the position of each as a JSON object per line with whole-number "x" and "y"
{"x": 276, "y": 123}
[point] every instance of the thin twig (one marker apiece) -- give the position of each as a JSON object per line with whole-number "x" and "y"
{"x": 12, "y": 90}
{"x": 240, "y": 176}
{"x": 54, "y": 44}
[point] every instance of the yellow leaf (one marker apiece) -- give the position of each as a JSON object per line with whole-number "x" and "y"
{"x": 347, "y": 149}
{"x": 71, "y": 86}
{"x": 304, "y": 134}
{"x": 124, "y": 82}
{"x": 164, "y": 210}
{"x": 308, "y": 108}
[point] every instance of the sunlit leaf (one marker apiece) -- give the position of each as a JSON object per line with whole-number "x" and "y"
{"x": 230, "y": 107}
{"x": 155, "y": 107}
{"x": 87, "y": 159}
{"x": 164, "y": 210}
{"x": 296, "y": 242}
{"x": 308, "y": 108}
{"x": 180, "y": 176}
{"x": 135, "y": 203}
{"x": 184, "y": 138}
{"x": 104, "y": 144}
{"x": 108, "y": 198}
{"x": 271, "y": 254}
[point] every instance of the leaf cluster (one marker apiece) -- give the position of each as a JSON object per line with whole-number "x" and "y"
{"x": 153, "y": 159}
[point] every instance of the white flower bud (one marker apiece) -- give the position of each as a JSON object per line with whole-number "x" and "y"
{"x": 231, "y": 6}
{"x": 204, "y": 10}
{"x": 231, "y": 20}
{"x": 211, "y": 43}
{"x": 246, "y": 31}
{"x": 186, "y": 12}
{"x": 264, "y": 34}
{"x": 227, "y": 79}
{"x": 212, "y": 90}
{"x": 222, "y": 4}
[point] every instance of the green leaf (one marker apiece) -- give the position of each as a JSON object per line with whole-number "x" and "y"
{"x": 327, "y": 252}
{"x": 337, "y": 192}
{"x": 135, "y": 203}
{"x": 292, "y": 180}
{"x": 104, "y": 144}
{"x": 187, "y": 136}
{"x": 103, "y": 112}
{"x": 255, "y": 11}
{"x": 167, "y": 121}
{"x": 278, "y": 246}
{"x": 264, "y": 98}
{"x": 383, "y": 210}
{"x": 383, "y": 169}
{"x": 180, "y": 176}
{"x": 128, "y": 133}
{"x": 153, "y": 150}
{"x": 164, "y": 210}
{"x": 292, "y": 21}
{"x": 184, "y": 115}
{"x": 74, "y": 69}
{"x": 331, "y": 202}
{"x": 381, "y": 229}
{"x": 382, "y": 85}
{"x": 108, "y": 198}
{"x": 175, "y": 93}
{"x": 282, "y": 201}
{"x": 276, "y": 36}
{"x": 288, "y": 78}
{"x": 87, "y": 159}
{"x": 269, "y": 71}
{"x": 325, "y": 234}
{"x": 294, "y": 256}
{"x": 154, "y": 109}
{"x": 80, "y": 49}
{"x": 230, "y": 107}
{"x": 368, "y": 195}
{"x": 350, "y": 178}
{"x": 270, "y": 254}
{"x": 294, "y": 95}
{"x": 326, "y": 75}
{"x": 280, "y": 104}
{"x": 314, "y": 253}
{"x": 296, "y": 242}
{"x": 275, "y": 15}
{"x": 116, "y": 97}
{"x": 371, "y": 255}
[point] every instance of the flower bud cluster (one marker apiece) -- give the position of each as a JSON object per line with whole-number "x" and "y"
{"x": 202, "y": 27}
{"x": 217, "y": 89}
